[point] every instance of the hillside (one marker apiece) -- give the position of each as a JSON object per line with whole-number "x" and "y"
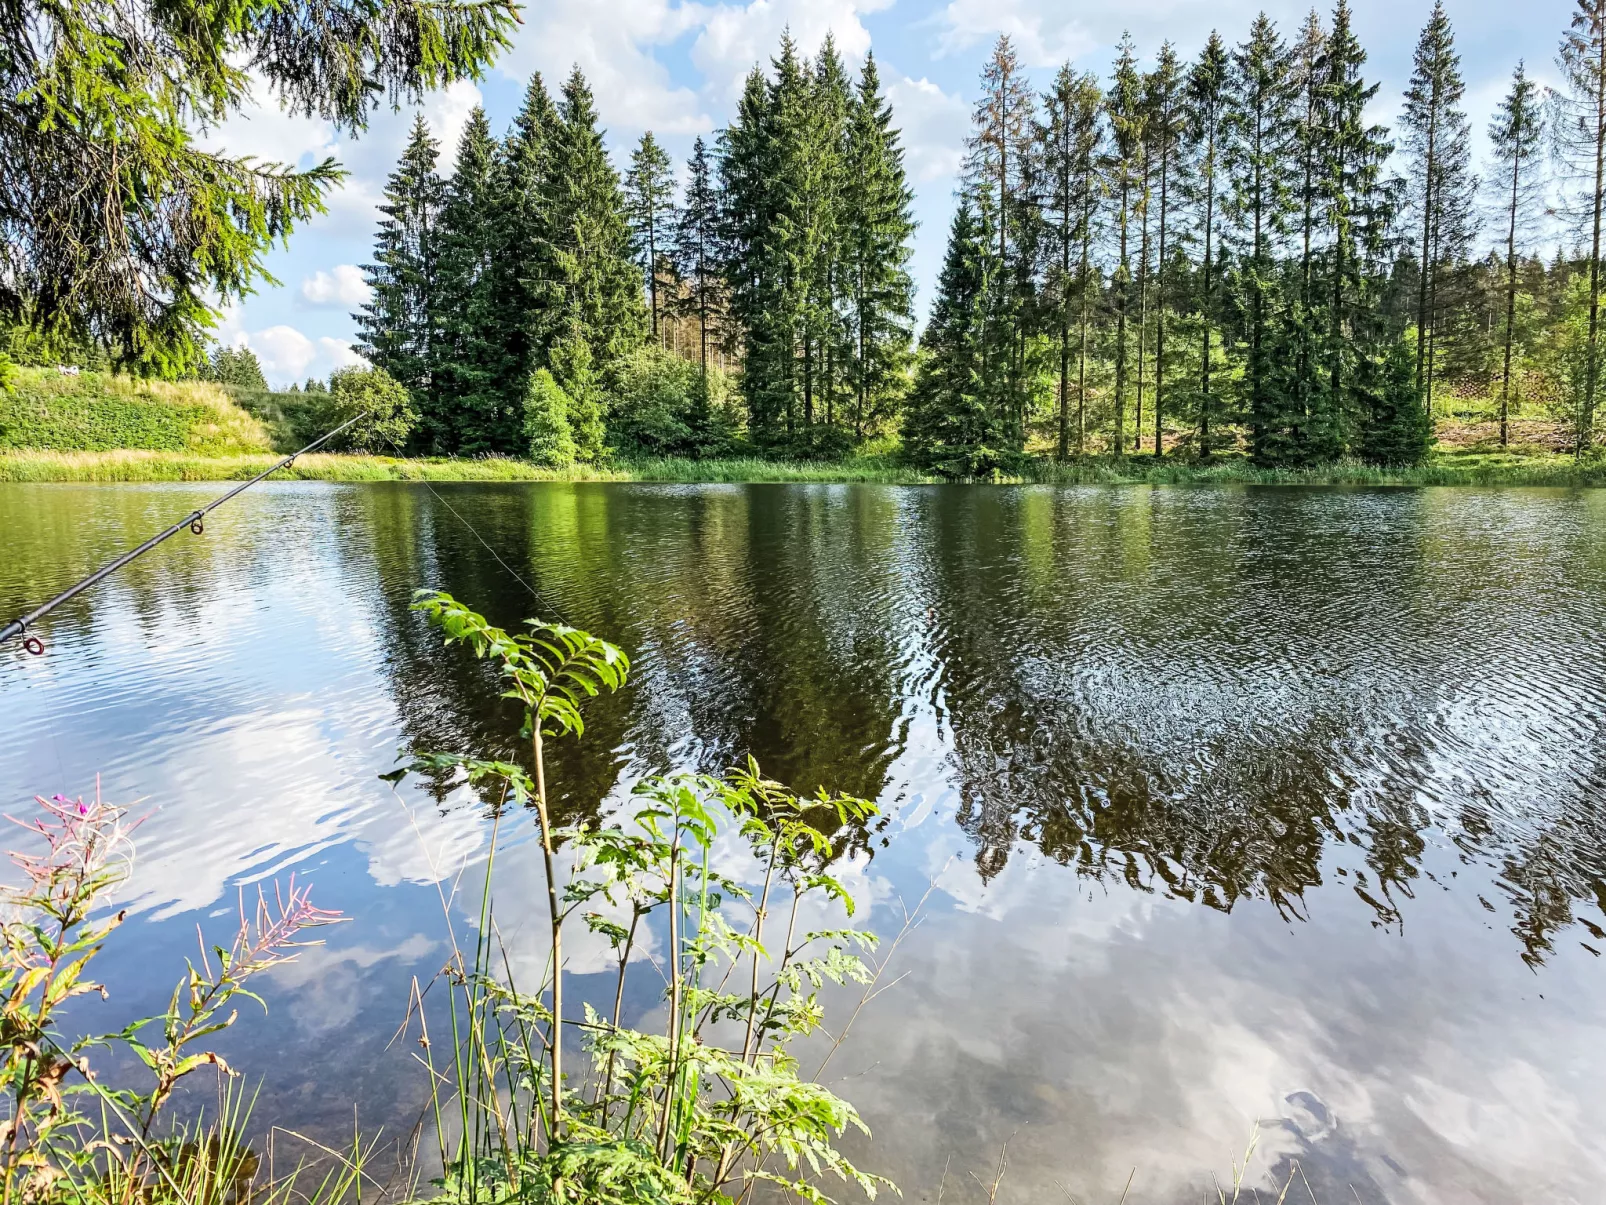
{"x": 97, "y": 412}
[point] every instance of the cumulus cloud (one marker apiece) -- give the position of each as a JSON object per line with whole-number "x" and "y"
{"x": 736, "y": 36}
{"x": 934, "y": 126}
{"x": 342, "y": 286}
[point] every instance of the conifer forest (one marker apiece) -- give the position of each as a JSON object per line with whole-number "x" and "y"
{"x": 1152, "y": 256}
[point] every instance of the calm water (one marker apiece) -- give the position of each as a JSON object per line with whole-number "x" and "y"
{"x": 1248, "y": 806}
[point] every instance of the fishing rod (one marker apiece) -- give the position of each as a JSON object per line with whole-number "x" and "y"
{"x": 194, "y": 521}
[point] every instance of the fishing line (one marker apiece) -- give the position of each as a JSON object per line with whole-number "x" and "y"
{"x": 540, "y": 598}
{"x": 195, "y": 521}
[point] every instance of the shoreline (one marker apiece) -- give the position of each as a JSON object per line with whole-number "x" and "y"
{"x": 129, "y": 466}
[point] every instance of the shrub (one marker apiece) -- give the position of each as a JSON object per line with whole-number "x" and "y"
{"x": 575, "y": 374}
{"x": 658, "y": 407}
{"x": 390, "y": 416}
{"x": 714, "y": 1105}
{"x": 546, "y": 421}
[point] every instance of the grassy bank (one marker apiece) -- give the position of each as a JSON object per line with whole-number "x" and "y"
{"x": 102, "y": 412}
{"x": 1445, "y": 468}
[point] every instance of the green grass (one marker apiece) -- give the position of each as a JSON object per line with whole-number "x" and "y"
{"x": 1450, "y": 468}
{"x": 102, "y": 412}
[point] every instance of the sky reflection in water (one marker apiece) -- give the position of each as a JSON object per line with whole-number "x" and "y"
{"x": 1275, "y": 805}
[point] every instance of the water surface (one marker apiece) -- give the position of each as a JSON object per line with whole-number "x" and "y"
{"x": 1243, "y": 806}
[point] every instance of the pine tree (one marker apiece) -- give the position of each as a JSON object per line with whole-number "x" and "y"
{"x": 1258, "y": 134}
{"x": 397, "y": 323}
{"x": 876, "y": 227}
{"x": 817, "y": 135}
{"x": 549, "y": 438}
{"x": 1306, "y": 388}
{"x": 1442, "y": 187}
{"x": 519, "y": 266}
{"x": 951, "y": 425}
{"x": 1361, "y": 209}
{"x": 998, "y": 178}
{"x": 1125, "y": 111}
{"x": 755, "y": 269}
{"x": 1207, "y": 112}
{"x": 1395, "y": 428}
{"x": 1073, "y": 143}
{"x": 593, "y": 290}
{"x": 1580, "y": 130}
{"x": 650, "y": 202}
{"x": 698, "y": 251}
{"x": 1516, "y": 136}
{"x": 1166, "y": 134}
{"x": 467, "y": 412}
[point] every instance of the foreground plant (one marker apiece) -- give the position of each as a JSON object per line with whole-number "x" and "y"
{"x": 711, "y": 1105}
{"x": 67, "y": 1136}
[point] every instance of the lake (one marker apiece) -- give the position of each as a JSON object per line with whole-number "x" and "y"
{"x": 1238, "y": 808}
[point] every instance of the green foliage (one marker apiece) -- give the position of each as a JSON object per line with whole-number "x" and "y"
{"x": 372, "y": 392}
{"x": 93, "y": 411}
{"x": 1396, "y": 430}
{"x": 714, "y": 1105}
{"x": 235, "y": 366}
{"x": 550, "y": 440}
{"x": 120, "y": 229}
{"x": 660, "y": 408}
{"x": 572, "y": 370}
{"x": 70, "y": 1138}
{"x": 650, "y": 206}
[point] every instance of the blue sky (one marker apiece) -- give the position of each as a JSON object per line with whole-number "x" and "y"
{"x": 675, "y": 67}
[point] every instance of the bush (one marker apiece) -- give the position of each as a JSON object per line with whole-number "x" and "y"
{"x": 546, "y": 421}
{"x": 659, "y": 407}
{"x": 100, "y": 412}
{"x": 390, "y": 416}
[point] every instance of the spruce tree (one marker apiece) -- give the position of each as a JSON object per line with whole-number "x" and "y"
{"x": 951, "y": 425}
{"x": 998, "y": 177}
{"x": 876, "y": 228}
{"x": 1072, "y": 139}
{"x": 1258, "y": 135}
{"x": 1207, "y": 112}
{"x": 650, "y": 202}
{"x": 698, "y": 253}
{"x": 1580, "y": 130}
{"x": 815, "y": 135}
{"x": 1305, "y": 385}
{"x": 1166, "y": 134}
{"x": 1396, "y": 430}
{"x": 397, "y": 324}
{"x": 756, "y": 271}
{"x": 1361, "y": 208}
{"x": 1437, "y": 140}
{"x": 593, "y": 291}
{"x": 467, "y": 416}
{"x": 518, "y": 267}
{"x": 1516, "y": 136}
{"x": 1126, "y": 113}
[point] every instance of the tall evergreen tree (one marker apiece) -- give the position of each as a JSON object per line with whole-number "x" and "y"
{"x": 467, "y": 415}
{"x": 593, "y": 291}
{"x": 1125, "y": 111}
{"x": 1166, "y": 133}
{"x": 1072, "y": 137}
{"x": 951, "y": 425}
{"x": 1361, "y": 208}
{"x": 876, "y": 226}
{"x": 1516, "y": 134}
{"x": 1305, "y": 384}
{"x": 1258, "y": 133}
{"x": 650, "y": 202}
{"x": 1580, "y": 130}
{"x": 1207, "y": 114}
{"x": 397, "y": 324}
{"x": 698, "y": 251}
{"x": 998, "y": 178}
{"x": 1442, "y": 187}
{"x": 519, "y": 265}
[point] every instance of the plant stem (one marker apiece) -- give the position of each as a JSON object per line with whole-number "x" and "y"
{"x": 557, "y": 932}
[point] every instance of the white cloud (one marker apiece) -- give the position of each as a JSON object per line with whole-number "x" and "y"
{"x": 735, "y": 37}
{"x": 613, "y": 47}
{"x": 934, "y": 126}
{"x": 343, "y": 286}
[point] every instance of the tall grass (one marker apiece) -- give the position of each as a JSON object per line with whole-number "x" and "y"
{"x": 1448, "y": 468}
